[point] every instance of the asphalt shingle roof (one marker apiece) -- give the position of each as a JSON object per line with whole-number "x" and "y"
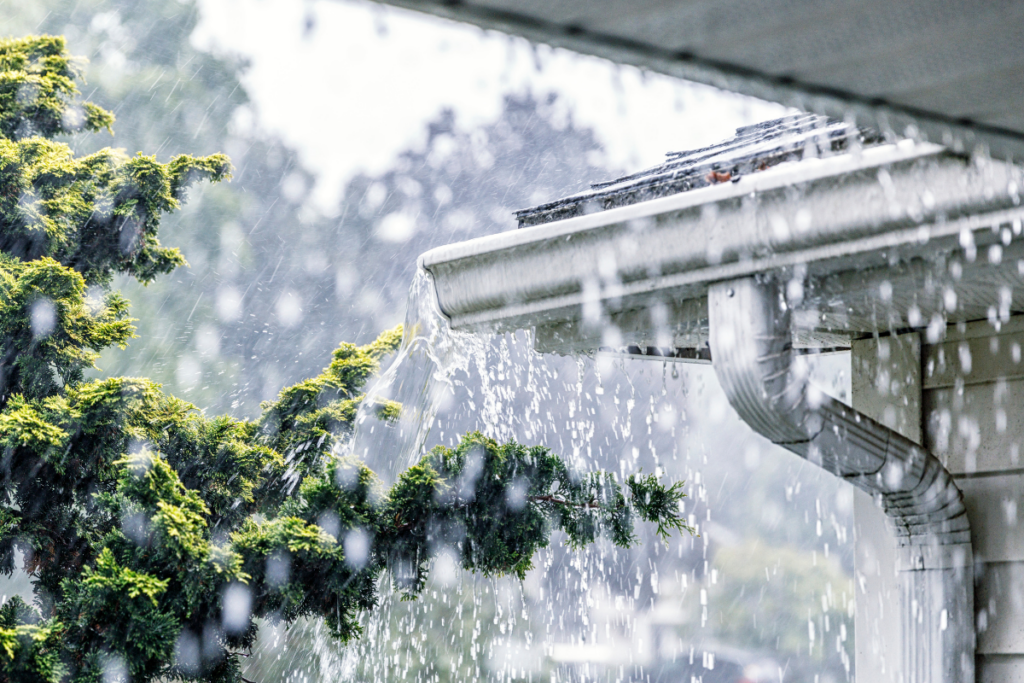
{"x": 753, "y": 148}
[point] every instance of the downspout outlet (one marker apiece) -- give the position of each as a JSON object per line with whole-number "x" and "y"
{"x": 766, "y": 383}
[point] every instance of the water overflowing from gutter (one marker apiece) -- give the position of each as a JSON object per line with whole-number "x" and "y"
{"x": 604, "y": 613}
{"x": 416, "y": 383}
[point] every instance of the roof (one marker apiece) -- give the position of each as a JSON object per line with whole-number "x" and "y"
{"x": 753, "y": 149}
{"x": 954, "y": 74}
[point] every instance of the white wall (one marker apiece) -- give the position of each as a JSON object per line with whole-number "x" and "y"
{"x": 885, "y": 377}
{"x": 973, "y": 402}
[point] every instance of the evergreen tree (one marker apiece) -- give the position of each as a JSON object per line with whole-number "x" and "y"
{"x": 214, "y": 333}
{"x": 156, "y": 536}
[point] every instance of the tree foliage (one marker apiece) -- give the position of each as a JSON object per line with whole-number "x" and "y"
{"x": 213, "y": 333}
{"x": 156, "y": 535}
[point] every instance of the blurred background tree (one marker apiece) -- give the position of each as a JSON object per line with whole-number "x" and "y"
{"x": 275, "y": 284}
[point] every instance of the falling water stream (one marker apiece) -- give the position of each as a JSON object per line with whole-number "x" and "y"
{"x": 768, "y": 522}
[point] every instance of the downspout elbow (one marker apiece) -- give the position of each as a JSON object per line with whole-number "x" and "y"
{"x": 767, "y": 384}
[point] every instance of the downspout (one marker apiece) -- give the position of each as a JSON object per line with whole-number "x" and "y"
{"x": 751, "y": 348}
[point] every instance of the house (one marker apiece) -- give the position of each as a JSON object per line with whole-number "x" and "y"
{"x": 809, "y": 235}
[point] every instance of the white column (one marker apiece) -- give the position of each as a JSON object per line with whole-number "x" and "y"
{"x": 885, "y": 378}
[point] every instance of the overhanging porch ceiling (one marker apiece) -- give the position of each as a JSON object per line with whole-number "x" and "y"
{"x": 953, "y": 71}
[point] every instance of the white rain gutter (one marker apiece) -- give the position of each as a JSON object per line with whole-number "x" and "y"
{"x": 829, "y": 216}
{"x": 753, "y": 357}
{"x": 676, "y": 243}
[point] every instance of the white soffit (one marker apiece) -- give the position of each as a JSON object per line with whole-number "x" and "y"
{"x": 953, "y": 70}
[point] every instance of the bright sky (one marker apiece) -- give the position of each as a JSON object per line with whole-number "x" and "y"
{"x": 360, "y": 86}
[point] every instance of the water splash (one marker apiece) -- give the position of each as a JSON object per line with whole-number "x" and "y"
{"x": 602, "y": 614}
{"x": 418, "y": 379}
